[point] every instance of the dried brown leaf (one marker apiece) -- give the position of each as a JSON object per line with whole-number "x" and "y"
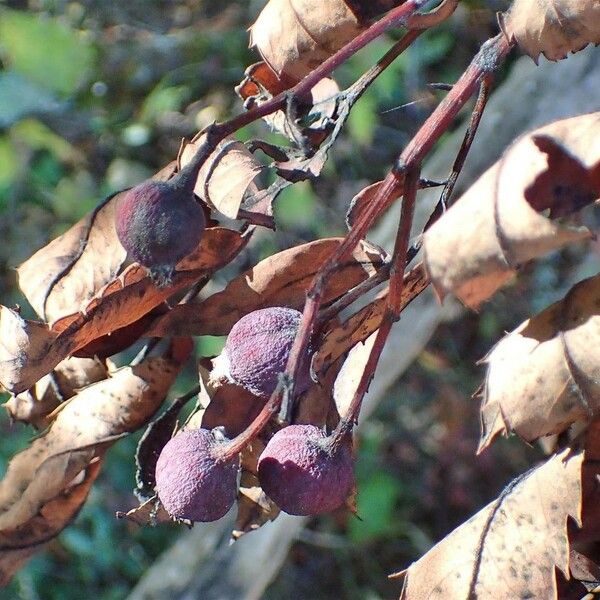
{"x": 226, "y": 175}
{"x": 512, "y": 547}
{"x": 51, "y": 390}
{"x": 350, "y": 374}
{"x": 342, "y": 337}
{"x": 545, "y": 375}
{"x": 151, "y": 512}
{"x": 69, "y": 271}
{"x": 295, "y": 36}
{"x": 552, "y": 27}
{"x": 46, "y": 484}
{"x": 102, "y": 411}
{"x": 280, "y": 280}
{"x": 24, "y": 346}
{"x": 498, "y": 223}
{"x": 29, "y": 350}
{"x": 18, "y": 545}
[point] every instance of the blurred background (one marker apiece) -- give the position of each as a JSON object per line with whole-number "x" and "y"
{"x": 94, "y": 97}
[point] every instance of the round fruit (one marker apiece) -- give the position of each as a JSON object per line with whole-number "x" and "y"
{"x": 195, "y": 479}
{"x": 257, "y": 351}
{"x": 160, "y": 222}
{"x": 306, "y": 472}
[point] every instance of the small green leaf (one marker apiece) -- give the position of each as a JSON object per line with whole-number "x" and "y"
{"x": 377, "y": 497}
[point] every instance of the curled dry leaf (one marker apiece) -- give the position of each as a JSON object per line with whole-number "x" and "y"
{"x": 498, "y": 223}
{"x": 20, "y": 544}
{"x": 342, "y": 337}
{"x": 66, "y": 379}
{"x": 151, "y": 512}
{"x": 58, "y": 279}
{"x": 65, "y": 274}
{"x": 24, "y": 350}
{"x": 224, "y": 178}
{"x": 30, "y": 350}
{"x": 512, "y": 547}
{"x": 552, "y": 27}
{"x": 261, "y": 84}
{"x": 348, "y": 379}
{"x": 280, "y": 280}
{"x": 46, "y": 471}
{"x": 545, "y": 375}
{"x": 295, "y": 36}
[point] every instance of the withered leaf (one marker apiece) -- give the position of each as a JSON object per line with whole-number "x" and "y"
{"x": 46, "y": 484}
{"x": 151, "y": 512}
{"x": 51, "y": 390}
{"x": 254, "y": 507}
{"x": 120, "y": 404}
{"x": 511, "y": 547}
{"x": 348, "y": 379}
{"x": 477, "y": 245}
{"x": 231, "y": 407}
{"x": 552, "y": 27}
{"x": 342, "y": 337}
{"x": 29, "y": 350}
{"x": 68, "y": 272}
{"x": 224, "y": 178}
{"x": 280, "y": 280}
{"x": 52, "y": 518}
{"x": 24, "y": 345}
{"x": 545, "y": 375}
{"x": 295, "y": 36}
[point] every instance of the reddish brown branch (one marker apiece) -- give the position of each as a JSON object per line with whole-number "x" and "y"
{"x": 492, "y": 54}
{"x": 394, "y": 300}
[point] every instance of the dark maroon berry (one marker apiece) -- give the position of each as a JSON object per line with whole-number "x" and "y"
{"x": 257, "y": 350}
{"x": 306, "y": 472}
{"x": 195, "y": 478}
{"x": 160, "y": 222}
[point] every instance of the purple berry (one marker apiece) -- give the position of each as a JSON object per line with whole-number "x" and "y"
{"x": 306, "y": 472}
{"x": 257, "y": 350}
{"x": 160, "y": 222}
{"x": 195, "y": 478}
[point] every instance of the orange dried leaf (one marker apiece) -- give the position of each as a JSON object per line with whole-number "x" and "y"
{"x": 280, "y": 280}
{"x": 512, "y": 547}
{"x": 341, "y": 338}
{"x": 552, "y": 27}
{"x": 31, "y": 350}
{"x": 295, "y": 36}
{"x": 545, "y": 375}
{"x": 498, "y": 223}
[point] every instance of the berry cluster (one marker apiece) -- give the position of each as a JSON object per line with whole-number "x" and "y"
{"x": 302, "y": 469}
